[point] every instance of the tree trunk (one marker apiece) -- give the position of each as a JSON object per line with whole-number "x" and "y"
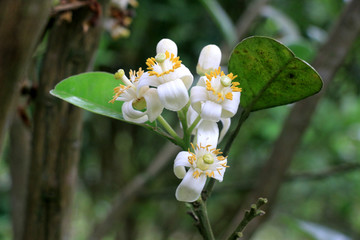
{"x": 21, "y": 23}
{"x": 57, "y": 128}
{"x": 19, "y": 155}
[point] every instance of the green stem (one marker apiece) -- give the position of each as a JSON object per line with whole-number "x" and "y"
{"x": 171, "y": 131}
{"x": 210, "y": 185}
{"x": 244, "y": 115}
{"x": 193, "y": 125}
{"x": 249, "y": 215}
{"x": 203, "y": 224}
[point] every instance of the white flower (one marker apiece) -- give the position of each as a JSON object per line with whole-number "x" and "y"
{"x": 205, "y": 130}
{"x": 216, "y": 96}
{"x": 171, "y": 78}
{"x": 123, "y": 4}
{"x": 209, "y": 59}
{"x": 203, "y": 163}
{"x": 141, "y": 104}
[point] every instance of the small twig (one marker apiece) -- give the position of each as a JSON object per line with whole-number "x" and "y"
{"x": 68, "y": 7}
{"x": 203, "y": 223}
{"x": 249, "y": 215}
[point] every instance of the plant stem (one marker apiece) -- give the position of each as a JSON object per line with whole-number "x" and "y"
{"x": 171, "y": 131}
{"x": 210, "y": 185}
{"x": 249, "y": 215}
{"x": 244, "y": 115}
{"x": 182, "y": 116}
{"x": 203, "y": 224}
{"x": 193, "y": 125}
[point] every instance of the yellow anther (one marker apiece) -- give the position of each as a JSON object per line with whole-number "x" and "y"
{"x": 229, "y": 96}
{"x": 150, "y": 62}
{"x": 196, "y": 174}
{"x": 118, "y": 91}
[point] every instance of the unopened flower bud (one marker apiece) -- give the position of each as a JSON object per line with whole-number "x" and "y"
{"x": 209, "y": 59}
{"x": 166, "y": 45}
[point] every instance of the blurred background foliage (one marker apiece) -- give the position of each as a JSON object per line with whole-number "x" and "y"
{"x": 114, "y": 152}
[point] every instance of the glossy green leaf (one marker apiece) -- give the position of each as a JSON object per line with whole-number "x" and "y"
{"x": 270, "y": 75}
{"x": 91, "y": 91}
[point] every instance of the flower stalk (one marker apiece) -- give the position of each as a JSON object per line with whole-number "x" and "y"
{"x": 203, "y": 224}
{"x": 171, "y": 131}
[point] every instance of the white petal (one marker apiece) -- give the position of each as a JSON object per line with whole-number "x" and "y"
{"x": 202, "y": 81}
{"x": 181, "y": 161}
{"x": 149, "y": 81}
{"x": 166, "y": 45}
{"x": 197, "y": 96}
{"x": 190, "y": 188}
{"x": 207, "y": 134}
{"x": 132, "y": 115}
{"x": 209, "y": 59}
{"x": 211, "y": 111}
{"x": 153, "y": 105}
{"x": 219, "y": 175}
{"x": 183, "y": 73}
{"x": 226, "y": 125}
{"x": 173, "y": 95}
{"x": 230, "y": 107}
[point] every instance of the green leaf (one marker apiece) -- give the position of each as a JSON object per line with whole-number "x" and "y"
{"x": 91, "y": 91}
{"x": 270, "y": 75}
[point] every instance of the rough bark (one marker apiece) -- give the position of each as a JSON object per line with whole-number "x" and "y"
{"x": 57, "y": 129}
{"x": 327, "y": 61}
{"x": 21, "y": 23}
{"x": 19, "y": 155}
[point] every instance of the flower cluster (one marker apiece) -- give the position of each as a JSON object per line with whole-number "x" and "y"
{"x": 166, "y": 84}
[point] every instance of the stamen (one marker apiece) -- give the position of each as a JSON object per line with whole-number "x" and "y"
{"x": 217, "y": 152}
{"x": 196, "y": 174}
{"x": 159, "y": 60}
{"x": 191, "y": 158}
{"x": 220, "y": 96}
{"x": 135, "y": 76}
{"x": 225, "y": 80}
{"x": 229, "y": 96}
{"x": 224, "y": 165}
{"x": 210, "y": 174}
{"x": 118, "y": 91}
{"x": 192, "y": 145}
